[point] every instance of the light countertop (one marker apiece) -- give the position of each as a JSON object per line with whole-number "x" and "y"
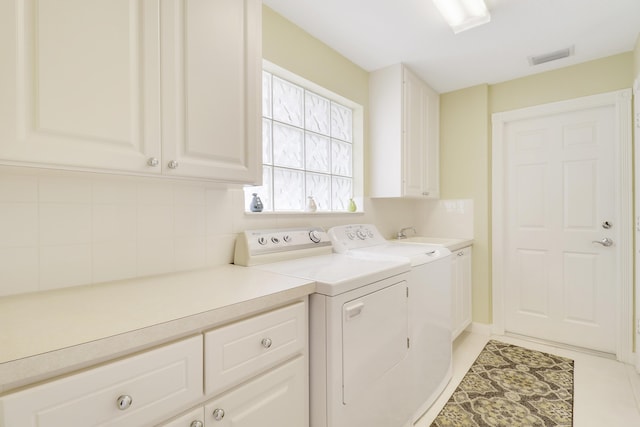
{"x": 453, "y": 244}
{"x": 48, "y": 333}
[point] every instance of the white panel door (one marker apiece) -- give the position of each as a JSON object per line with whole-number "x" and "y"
{"x": 560, "y": 199}
{"x": 80, "y": 83}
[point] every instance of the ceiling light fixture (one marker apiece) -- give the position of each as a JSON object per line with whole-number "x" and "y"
{"x": 463, "y": 15}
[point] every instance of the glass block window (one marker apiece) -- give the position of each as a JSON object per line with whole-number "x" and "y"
{"x": 307, "y": 149}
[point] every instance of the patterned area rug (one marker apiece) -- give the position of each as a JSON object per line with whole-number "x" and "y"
{"x": 510, "y": 386}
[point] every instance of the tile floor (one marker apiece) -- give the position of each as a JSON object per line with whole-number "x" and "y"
{"x": 604, "y": 389}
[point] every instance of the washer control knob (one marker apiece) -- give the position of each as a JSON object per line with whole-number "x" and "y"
{"x": 286, "y": 238}
{"x": 314, "y": 236}
{"x": 361, "y": 234}
{"x": 350, "y": 235}
{"x": 275, "y": 240}
{"x": 262, "y": 241}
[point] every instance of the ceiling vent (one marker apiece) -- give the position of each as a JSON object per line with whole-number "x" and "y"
{"x": 552, "y": 56}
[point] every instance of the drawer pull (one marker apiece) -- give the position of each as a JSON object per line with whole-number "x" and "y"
{"x": 196, "y": 423}
{"x": 266, "y": 342}
{"x": 124, "y": 402}
{"x": 218, "y": 414}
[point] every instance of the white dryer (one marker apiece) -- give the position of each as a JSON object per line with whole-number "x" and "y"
{"x": 430, "y": 323}
{"x": 360, "y": 373}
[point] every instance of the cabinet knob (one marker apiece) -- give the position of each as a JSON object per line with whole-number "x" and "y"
{"x": 218, "y": 414}
{"x": 173, "y": 164}
{"x": 266, "y": 342}
{"x": 461, "y": 253}
{"x": 124, "y": 402}
{"x": 153, "y": 162}
{"x": 196, "y": 423}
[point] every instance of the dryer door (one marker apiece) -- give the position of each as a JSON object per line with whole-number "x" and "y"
{"x": 374, "y": 337}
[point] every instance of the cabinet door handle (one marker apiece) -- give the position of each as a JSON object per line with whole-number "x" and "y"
{"x": 124, "y": 402}
{"x": 153, "y": 162}
{"x": 173, "y": 164}
{"x": 218, "y": 414}
{"x": 196, "y": 423}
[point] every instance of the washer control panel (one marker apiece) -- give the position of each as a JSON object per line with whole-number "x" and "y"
{"x": 354, "y": 236}
{"x": 261, "y": 246}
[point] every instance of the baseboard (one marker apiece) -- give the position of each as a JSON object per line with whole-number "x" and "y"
{"x": 480, "y": 328}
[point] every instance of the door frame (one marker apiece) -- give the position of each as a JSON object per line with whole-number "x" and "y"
{"x": 621, "y": 100}
{"x": 636, "y": 145}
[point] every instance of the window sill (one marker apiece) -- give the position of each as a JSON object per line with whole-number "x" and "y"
{"x": 295, "y": 213}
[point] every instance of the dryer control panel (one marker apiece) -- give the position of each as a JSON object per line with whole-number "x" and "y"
{"x": 255, "y": 247}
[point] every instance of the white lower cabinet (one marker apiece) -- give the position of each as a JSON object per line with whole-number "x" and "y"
{"x": 257, "y": 368}
{"x": 130, "y": 392}
{"x": 193, "y": 418}
{"x": 256, "y": 374}
{"x": 276, "y": 398}
{"x": 239, "y": 351}
{"x": 461, "y": 292}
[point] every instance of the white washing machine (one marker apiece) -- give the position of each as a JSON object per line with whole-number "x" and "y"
{"x": 430, "y": 324}
{"x": 360, "y": 371}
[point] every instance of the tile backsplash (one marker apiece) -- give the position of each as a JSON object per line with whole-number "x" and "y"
{"x": 66, "y": 229}
{"x": 60, "y": 229}
{"x": 447, "y": 218}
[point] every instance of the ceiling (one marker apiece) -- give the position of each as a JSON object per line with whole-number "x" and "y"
{"x": 377, "y": 33}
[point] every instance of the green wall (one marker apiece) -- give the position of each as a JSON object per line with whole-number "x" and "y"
{"x": 290, "y": 47}
{"x": 589, "y": 78}
{"x": 465, "y": 119}
{"x": 465, "y": 173}
{"x": 636, "y": 56}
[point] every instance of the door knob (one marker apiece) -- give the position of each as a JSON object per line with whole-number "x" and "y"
{"x": 604, "y": 242}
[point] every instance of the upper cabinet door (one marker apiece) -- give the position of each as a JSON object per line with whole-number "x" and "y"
{"x": 414, "y": 157}
{"x": 404, "y": 136}
{"x": 211, "y": 84}
{"x": 80, "y": 83}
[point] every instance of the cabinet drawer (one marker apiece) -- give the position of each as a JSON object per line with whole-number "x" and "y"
{"x": 276, "y": 398}
{"x": 159, "y": 383}
{"x": 236, "y": 352}
{"x": 189, "y": 419}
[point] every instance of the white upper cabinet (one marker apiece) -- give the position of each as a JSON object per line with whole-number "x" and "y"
{"x": 404, "y": 117}
{"x": 211, "y": 86}
{"x": 132, "y": 86}
{"x": 80, "y": 83}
